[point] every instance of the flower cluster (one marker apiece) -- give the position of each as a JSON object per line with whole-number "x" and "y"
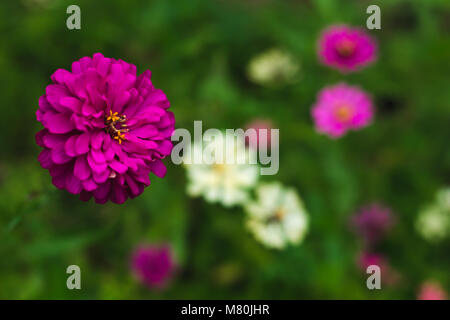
{"x": 341, "y": 107}
{"x": 105, "y": 129}
{"x": 276, "y": 217}
{"x": 372, "y": 223}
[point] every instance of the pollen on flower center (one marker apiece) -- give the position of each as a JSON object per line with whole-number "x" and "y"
{"x": 346, "y": 48}
{"x": 343, "y": 112}
{"x": 279, "y": 214}
{"x": 115, "y": 125}
{"x": 219, "y": 167}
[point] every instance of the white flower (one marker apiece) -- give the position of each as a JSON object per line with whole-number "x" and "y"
{"x": 219, "y": 180}
{"x": 277, "y": 217}
{"x": 272, "y": 67}
{"x": 433, "y": 222}
{"x": 443, "y": 198}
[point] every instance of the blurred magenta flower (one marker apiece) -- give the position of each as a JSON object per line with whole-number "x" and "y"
{"x": 341, "y": 108}
{"x": 346, "y": 49}
{"x": 366, "y": 259}
{"x": 388, "y": 275}
{"x": 431, "y": 291}
{"x": 153, "y": 265}
{"x": 105, "y": 129}
{"x": 262, "y": 128}
{"x": 372, "y": 222}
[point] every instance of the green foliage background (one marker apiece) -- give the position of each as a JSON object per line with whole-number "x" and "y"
{"x": 198, "y": 52}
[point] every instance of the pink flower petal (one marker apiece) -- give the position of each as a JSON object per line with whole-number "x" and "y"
{"x": 58, "y": 122}
{"x": 81, "y": 169}
{"x": 82, "y": 144}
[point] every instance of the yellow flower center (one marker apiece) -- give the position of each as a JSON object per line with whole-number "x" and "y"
{"x": 279, "y": 214}
{"x": 346, "y": 48}
{"x": 220, "y": 168}
{"x": 343, "y": 113}
{"x": 115, "y": 126}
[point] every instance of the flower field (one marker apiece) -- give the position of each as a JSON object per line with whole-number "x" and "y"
{"x": 362, "y": 171}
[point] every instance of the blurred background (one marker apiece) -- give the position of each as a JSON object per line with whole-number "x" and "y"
{"x": 199, "y": 52}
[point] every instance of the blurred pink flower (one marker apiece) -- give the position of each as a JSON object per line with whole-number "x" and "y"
{"x": 372, "y": 222}
{"x": 366, "y": 259}
{"x": 341, "y": 108}
{"x": 388, "y": 275}
{"x": 105, "y": 129}
{"x": 346, "y": 49}
{"x": 431, "y": 291}
{"x": 262, "y": 128}
{"x": 153, "y": 265}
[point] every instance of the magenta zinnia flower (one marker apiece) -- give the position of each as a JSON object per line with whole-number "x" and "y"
{"x": 153, "y": 266}
{"x": 366, "y": 259}
{"x": 340, "y": 108}
{"x": 105, "y": 129}
{"x": 372, "y": 222}
{"x": 346, "y": 49}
